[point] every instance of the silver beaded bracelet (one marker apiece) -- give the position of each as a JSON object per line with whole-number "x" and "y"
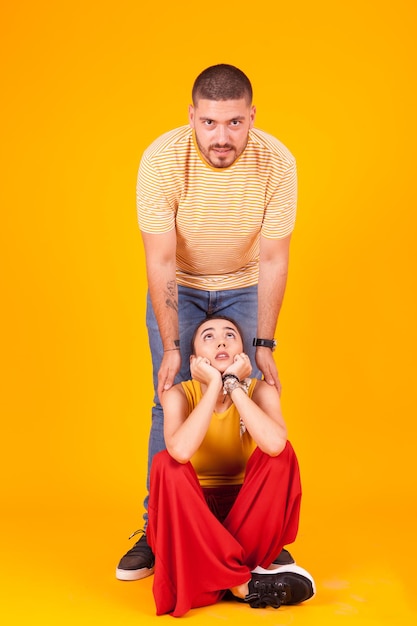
{"x": 230, "y": 383}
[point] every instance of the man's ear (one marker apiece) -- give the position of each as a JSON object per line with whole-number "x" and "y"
{"x": 191, "y": 115}
{"x": 252, "y": 117}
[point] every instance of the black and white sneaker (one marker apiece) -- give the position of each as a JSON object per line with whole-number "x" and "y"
{"x": 289, "y": 584}
{"x": 283, "y": 558}
{"x": 138, "y": 562}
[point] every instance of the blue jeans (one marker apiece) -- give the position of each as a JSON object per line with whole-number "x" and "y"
{"x": 194, "y": 305}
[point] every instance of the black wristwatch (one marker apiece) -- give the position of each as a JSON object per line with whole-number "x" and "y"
{"x": 265, "y": 343}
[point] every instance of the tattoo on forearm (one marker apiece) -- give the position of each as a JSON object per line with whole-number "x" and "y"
{"x": 172, "y": 304}
{"x": 171, "y": 301}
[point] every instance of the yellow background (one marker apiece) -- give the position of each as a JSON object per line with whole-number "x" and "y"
{"x": 86, "y": 86}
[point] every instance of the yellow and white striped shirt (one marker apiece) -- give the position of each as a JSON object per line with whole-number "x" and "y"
{"x": 218, "y": 213}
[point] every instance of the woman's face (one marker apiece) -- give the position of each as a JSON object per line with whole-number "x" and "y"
{"x": 219, "y": 341}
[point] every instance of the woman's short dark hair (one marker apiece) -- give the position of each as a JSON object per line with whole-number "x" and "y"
{"x": 216, "y": 317}
{"x": 222, "y": 82}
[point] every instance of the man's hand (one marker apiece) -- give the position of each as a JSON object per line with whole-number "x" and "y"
{"x": 170, "y": 366}
{"x": 265, "y": 362}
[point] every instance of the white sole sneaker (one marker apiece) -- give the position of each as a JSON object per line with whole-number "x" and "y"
{"x": 287, "y": 569}
{"x": 133, "y": 574}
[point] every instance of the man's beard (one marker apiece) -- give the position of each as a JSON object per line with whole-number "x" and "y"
{"x": 216, "y": 160}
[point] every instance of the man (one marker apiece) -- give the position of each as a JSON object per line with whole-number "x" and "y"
{"x": 216, "y": 204}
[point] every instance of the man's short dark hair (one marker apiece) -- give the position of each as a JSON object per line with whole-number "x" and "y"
{"x": 222, "y": 82}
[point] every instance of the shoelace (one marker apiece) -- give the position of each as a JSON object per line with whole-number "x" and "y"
{"x": 140, "y": 547}
{"x": 140, "y": 531}
{"x": 268, "y": 593}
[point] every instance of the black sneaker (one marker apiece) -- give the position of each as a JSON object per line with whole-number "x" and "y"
{"x": 283, "y": 558}
{"x": 291, "y": 585}
{"x": 138, "y": 563}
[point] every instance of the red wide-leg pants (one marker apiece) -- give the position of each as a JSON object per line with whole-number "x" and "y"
{"x": 197, "y": 558}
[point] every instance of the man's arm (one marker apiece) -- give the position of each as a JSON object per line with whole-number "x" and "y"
{"x": 160, "y": 254}
{"x": 273, "y": 271}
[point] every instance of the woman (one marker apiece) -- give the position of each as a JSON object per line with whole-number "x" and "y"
{"x": 225, "y": 494}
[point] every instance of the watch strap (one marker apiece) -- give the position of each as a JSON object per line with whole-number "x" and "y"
{"x": 265, "y": 343}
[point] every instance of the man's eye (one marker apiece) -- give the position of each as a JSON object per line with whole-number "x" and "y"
{"x": 208, "y": 122}
{"x": 235, "y": 122}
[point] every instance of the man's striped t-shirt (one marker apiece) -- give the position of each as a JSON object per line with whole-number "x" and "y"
{"x": 218, "y": 213}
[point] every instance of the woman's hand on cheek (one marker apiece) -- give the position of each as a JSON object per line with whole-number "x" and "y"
{"x": 202, "y": 370}
{"x": 241, "y": 367}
